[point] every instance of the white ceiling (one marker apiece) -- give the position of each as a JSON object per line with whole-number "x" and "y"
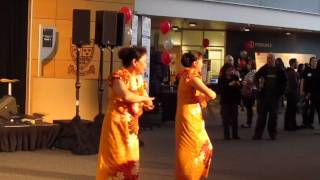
{"x": 218, "y": 25}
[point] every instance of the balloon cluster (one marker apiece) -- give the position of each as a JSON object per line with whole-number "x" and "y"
{"x": 166, "y": 57}
{"x": 248, "y": 47}
{"x": 127, "y": 19}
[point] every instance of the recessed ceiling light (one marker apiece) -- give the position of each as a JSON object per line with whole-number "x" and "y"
{"x": 246, "y": 29}
{"x": 288, "y": 33}
{"x": 175, "y": 28}
{"x": 192, "y": 24}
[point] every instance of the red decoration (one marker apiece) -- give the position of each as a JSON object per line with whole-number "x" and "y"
{"x": 205, "y": 42}
{"x": 165, "y": 27}
{"x": 127, "y": 14}
{"x": 134, "y": 109}
{"x": 165, "y": 58}
{"x": 127, "y": 170}
{"x": 249, "y": 45}
{"x": 243, "y": 63}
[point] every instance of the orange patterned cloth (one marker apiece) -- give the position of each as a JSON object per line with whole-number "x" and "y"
{"x": 193, "y": 146}
{"x": 118, "y": 156}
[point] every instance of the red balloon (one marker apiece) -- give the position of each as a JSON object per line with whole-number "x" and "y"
{"x": 249, "y": 45}
{"x": 243, "y": 63}
{"x": 127, "y": 14}
{"x": 205, "y": 42}
{"x": 165, "y": 58}
{"x": 165, "y": 27}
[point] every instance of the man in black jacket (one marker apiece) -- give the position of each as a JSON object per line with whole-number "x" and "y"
{"x": 271, "y": 82}
{"x": 292, "y": 94}
{"x": 310, "y": 90}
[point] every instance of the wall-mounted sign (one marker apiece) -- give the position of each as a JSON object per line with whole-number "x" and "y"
{"x": 47, "y": 37}
{"x": 47, "y": 44}
{"x": 262, "y": 45}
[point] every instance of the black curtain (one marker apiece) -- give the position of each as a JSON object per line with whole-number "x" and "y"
{"x": 13, "y": 47}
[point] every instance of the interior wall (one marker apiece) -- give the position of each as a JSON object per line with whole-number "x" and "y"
{"x": 276, "y": 42}
{"x": 53, "y": 92}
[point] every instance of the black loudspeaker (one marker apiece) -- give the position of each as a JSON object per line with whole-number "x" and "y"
{"x": 109, "y": 28}
{"x": 81, "y": 27}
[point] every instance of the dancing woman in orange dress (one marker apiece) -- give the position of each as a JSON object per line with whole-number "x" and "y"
{"x": 193, "y": 146}
{"x": 118, "y": 156}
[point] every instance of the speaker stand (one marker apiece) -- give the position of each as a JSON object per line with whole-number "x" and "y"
{"x": 100, "y": 116}
{"x": 111, "y": 58}
{"x": 77, "y": 85}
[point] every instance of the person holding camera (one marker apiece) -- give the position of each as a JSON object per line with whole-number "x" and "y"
{"x": 230, "y": 97}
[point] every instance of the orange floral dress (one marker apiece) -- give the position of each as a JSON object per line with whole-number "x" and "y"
{"x": 193, "y": 146}
{"x": 118, "y": 157}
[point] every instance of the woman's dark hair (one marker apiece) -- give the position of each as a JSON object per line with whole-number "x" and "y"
{"x": 300, "y": 67}
{"x": 279, "y": 63}
{"x": 189, "y": 57}
{"x": 224, "y": 68}
{"x": 292, "y": 61}
{"x": 253, "y": 64}
{"x": 128, "y": 54}
{"x": 312, "y": 59}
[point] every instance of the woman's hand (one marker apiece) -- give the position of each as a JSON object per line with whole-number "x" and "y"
{"x": 234, "y": 83}
{"x": 202, "y": 99}
{"x": 148, "y": 107}
{"x": 148, "y": 103}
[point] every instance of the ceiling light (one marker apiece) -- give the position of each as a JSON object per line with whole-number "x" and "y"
{"x": 175, "y": 28}
{"x": 192, "y": 24}
{"x": 246, "y": 29}
{"x": 288, "y": 33}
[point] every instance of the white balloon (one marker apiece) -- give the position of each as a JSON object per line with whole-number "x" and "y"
{"x": 127, "y": 36}
{"x": 243, "y": 54}
{"x": 168, "y": 43}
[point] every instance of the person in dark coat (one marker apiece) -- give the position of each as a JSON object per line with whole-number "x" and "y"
{"x": 230, "y": 96}
{"x": 292, "y": 94}
{"x": 271, "y": 83}
{"x": 308, "y": 89}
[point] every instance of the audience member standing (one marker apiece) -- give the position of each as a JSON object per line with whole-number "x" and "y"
{"x": 305, "y": 90}
{"x": 229, "y": 86}
{"x": 315, "y": 93}
{"x": 292, "y": 94}
{"x": 271, "y": 82}
{"x": 248, "y": 92}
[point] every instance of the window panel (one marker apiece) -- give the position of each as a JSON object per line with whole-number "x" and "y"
{"x": 216, "y": 38}
{"x": 192, "y": 37}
